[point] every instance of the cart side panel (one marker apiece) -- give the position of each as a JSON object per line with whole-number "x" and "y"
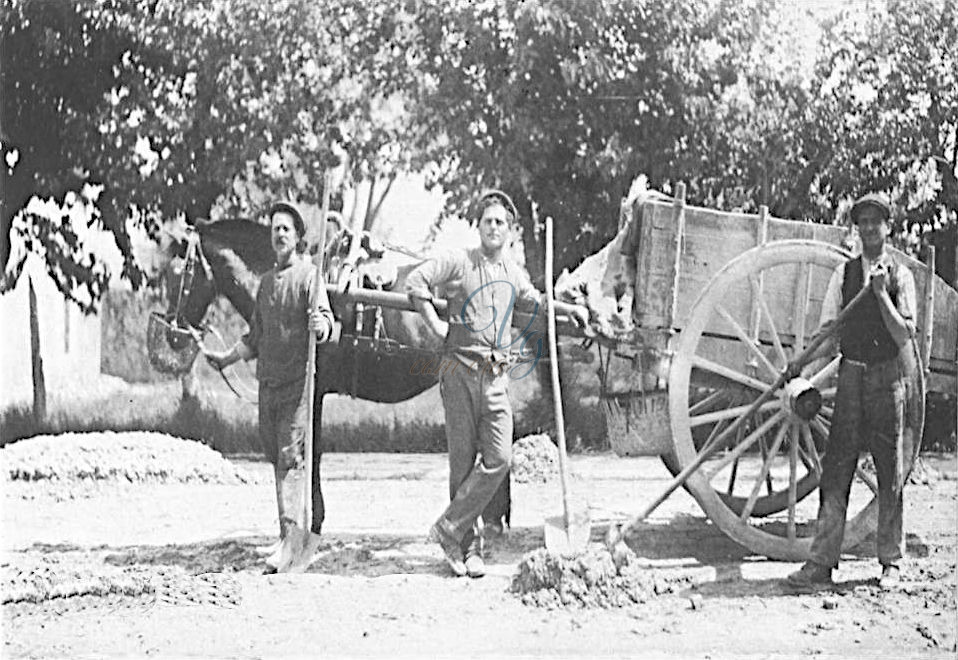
{"x": 710, "y": 240}
{"x": 655, "y": 265}
{"x": 944, "y": 344}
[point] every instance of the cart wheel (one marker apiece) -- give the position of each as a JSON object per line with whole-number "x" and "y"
{"x": 772, "y": 293}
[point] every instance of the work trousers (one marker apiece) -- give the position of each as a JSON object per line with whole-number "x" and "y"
{"x": 870, "y": 412}
{"x": 478, "y": 424}
{"x": 283, "y": 416}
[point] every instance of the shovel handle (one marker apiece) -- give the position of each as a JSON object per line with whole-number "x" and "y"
{"x": 617, "y": 534}
{"x": 311, "y": 367}
{"x": 554, "y": 371}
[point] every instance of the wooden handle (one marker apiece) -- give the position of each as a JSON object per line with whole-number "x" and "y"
{"x": 719, "y": 442}
{"x": 311, "y": 366}
{"x": 556, "y": 391}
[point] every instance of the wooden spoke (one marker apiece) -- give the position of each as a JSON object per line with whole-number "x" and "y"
{"x": 763, "y": 448}
{"x": 719, "y": 428}
{"x": 731, "y": 478}
{"x": 811, "y": 450}
{"x": 730, "y": 413}
{"x": 825, "y": 372}
{"x": 792, "y": 483}
{"x": 806, "y": 461}
{"x": 746, "y": 443}
{"x": 707, "y": 401}
{"x": 727, "y": 372}
{"x": 764, "y": 472}
{"x": 828, "y": 393}
{"x": 767, "y": 314}
{"x": 745, "y": 339}
{"x": 821, "y": 425}
{"x": 867, "y": 478}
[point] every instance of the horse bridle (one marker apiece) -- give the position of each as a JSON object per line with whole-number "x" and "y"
{"x": 194, "y": 254}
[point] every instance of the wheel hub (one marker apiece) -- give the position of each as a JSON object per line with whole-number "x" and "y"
{"x": 802, "y": 398}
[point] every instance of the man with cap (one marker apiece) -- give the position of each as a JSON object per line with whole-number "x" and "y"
{"x": 482, "y": 286}
{"x": 289, "y": 308}
{"x": 875, "y": 380}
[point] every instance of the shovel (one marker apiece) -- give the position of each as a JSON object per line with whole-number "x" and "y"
{"x": 299, "y": 546}
{"x": 569, "y": 533}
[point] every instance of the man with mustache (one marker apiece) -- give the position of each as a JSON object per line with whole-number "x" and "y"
{"x": 290, "y": 308}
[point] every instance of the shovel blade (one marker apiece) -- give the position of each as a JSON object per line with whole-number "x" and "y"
{"x": 568, "y": 540}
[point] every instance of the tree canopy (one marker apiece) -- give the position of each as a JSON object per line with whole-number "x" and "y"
{"x": 128, "y": 113}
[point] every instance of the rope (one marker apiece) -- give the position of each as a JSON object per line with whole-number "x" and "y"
{"x": 248, "y": 397}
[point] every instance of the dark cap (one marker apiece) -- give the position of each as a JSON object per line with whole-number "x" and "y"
{"x": 289, "y": 207}
{"x": 501, "y": 197}
{"x": 877, "y": 200}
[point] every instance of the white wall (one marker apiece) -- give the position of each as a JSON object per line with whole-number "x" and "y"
{"x": 69, "y": 340}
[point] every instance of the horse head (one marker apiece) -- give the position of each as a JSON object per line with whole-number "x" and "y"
{"x": 225, "y": 258}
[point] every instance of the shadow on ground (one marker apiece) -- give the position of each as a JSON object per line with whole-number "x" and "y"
{"x": 685, "y": 542}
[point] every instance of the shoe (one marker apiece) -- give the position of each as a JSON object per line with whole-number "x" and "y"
{"x": 890, "y": 576}
{"x": 450, "y": 549}
{"x": 280, "y": 559}
{"x": 810, "y": 575}
{"x": 304, "y": 556}
{"x": 475, "y": 567}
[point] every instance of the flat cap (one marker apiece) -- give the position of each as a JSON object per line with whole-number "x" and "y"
{"x": 878, "y": 200}
{"x": 502, "y": 198}
{"x": 289, "y": 207}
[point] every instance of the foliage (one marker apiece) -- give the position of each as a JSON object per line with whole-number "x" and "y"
{"x": 886, "y": 113}
{"x": 176, "y": 109}
{"x": 563, "y": 103}
{"x": 124, "y": 114}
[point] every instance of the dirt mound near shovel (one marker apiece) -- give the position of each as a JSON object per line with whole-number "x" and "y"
{"x": 594, "y": 578}
{"x": 535, "y": 459}
{"x": 33, "y": 579}
{"x": 105, "y": 456}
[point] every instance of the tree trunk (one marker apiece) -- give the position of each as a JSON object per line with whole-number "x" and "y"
{"x": 39, "y": 384}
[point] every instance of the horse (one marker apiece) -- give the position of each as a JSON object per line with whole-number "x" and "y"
{"x": 374, "y": 348}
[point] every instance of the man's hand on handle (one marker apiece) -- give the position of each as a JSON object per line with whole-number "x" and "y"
{"x": 319, "y": 325}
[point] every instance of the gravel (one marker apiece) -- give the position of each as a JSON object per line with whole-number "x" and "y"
{"x": 128, "y": 457}
{"x": 535, "y": 459}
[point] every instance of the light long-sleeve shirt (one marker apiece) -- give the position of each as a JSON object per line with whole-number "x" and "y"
{"x": 482, "y": 296}
{"x": 279, "y": 331}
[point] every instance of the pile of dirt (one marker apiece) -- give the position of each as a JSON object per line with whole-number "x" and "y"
{"x": 133, "y": 457}
{"x": 38, "y": 579}
{"x": 30, "y": 579}
{"x": 535, "y": 459}
{"x": 594, "y": 578}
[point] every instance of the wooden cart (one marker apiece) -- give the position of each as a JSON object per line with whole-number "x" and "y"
{"x": 722, "y": 301}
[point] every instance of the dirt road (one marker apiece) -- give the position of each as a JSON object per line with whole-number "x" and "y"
{"x": 379, "y": 589}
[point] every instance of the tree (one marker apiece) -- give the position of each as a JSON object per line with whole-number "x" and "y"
{"x": 563, "y": 103}
{"x": 885, "y": 114}
{"x": 183, "y": 111}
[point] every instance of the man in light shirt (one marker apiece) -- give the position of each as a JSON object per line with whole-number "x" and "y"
{"x": 875, "y": 379}
{"x": 482, "y": 286}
